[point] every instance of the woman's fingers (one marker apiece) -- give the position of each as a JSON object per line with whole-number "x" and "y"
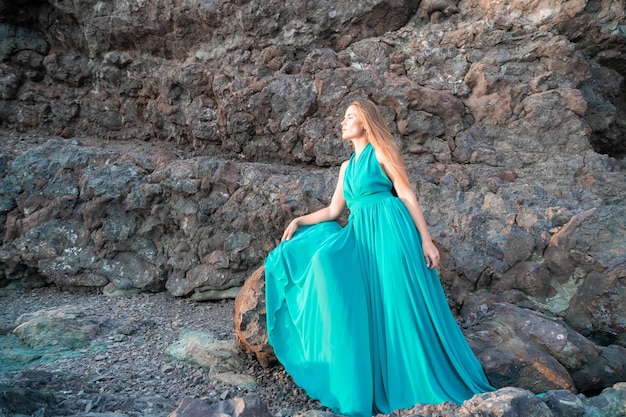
{"x": 289, "y": 231}
{"x": 430, "y": 262}
{"x": 431, "y": 254}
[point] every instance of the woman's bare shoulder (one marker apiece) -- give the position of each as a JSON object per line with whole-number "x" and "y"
{"x": 380, "y": 156}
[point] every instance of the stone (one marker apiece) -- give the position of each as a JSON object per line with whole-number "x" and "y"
{"x": 63, "y": 328}
{"x": 220, "y": 357}
{"x": 250, "y": 405}
{"x": 250, "y": 319}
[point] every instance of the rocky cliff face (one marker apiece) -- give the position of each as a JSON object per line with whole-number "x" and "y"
{"x": 266, "y": 79}
{"x": 189, "y": 132}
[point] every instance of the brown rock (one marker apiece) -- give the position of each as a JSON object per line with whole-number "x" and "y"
{"x": 249, "y": 320}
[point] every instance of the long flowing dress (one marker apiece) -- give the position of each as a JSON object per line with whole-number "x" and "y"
{"x": 355, "y": 315}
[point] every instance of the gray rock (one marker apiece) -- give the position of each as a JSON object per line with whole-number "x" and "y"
{"x": 220, "y": 357}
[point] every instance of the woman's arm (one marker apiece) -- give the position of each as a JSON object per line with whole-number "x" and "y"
{"x": 334, "y": 209}
{"x": 407, "y": 195}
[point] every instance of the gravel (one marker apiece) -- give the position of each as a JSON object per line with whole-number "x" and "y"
{"x": 127, "y": 370}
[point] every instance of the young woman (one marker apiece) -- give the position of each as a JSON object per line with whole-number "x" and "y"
{"x": 356, "y": 314}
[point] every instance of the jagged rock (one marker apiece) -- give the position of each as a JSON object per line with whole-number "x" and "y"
{"x": 242, "y": 81}
{"x": 250, "y": 319}
{"x": 610, "y": 402}
{"x": 509, "y": 402}
{"x": 521, "y": 347}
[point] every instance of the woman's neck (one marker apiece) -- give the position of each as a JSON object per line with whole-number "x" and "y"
{"x": 359, "y": 144}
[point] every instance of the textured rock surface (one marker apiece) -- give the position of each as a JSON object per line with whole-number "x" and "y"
{"x": 267, "y": 79}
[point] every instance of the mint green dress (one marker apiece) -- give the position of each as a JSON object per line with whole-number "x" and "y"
{"x": 357, "y": 318}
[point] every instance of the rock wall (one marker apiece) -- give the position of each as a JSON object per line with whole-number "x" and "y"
{"x": 267, "y": 80}
{"x": 186, "y": 135}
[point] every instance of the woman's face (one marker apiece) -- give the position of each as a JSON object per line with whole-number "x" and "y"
{"x": 351, "y": 125}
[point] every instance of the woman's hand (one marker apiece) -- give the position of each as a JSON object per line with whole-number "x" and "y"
{"x": 291, "y": 228}
{"x": 431, "y": 254}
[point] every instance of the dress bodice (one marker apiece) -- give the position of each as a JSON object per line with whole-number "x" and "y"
{"x": 364, "y": 179}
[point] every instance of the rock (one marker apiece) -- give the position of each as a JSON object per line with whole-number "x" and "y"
{"x": 215, "y": 295}
{"x": 220, "y": 357}
{"x": 510, "y": 402}
{"x": 611, "y": 402}
{"x": 464, "y": 91}
{"x": 564, "y": 403}
{"x": 250, "y": 319}
{"x": 191, "y": 407}
{"x": 600, "y": 267}
{"x": 24, "y": 401}
{"x": 124, "y": 367}
{"x": 65, "y": 328}
{"x": 523, "y": 348}
{"x": 251, "y": 405}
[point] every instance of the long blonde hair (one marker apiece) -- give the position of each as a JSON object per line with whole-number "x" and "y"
{"x": 378, "y": 134}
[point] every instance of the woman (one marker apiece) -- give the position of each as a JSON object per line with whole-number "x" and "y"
{"x": 357, "y": 314}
